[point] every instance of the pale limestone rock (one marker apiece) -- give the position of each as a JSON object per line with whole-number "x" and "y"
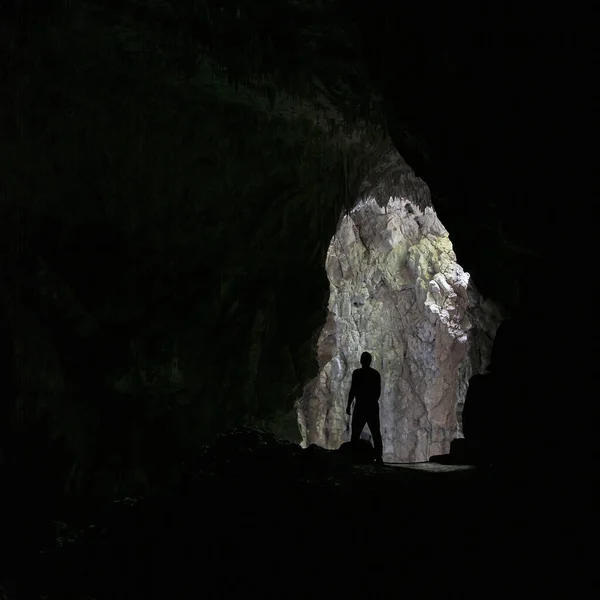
{"x": 397, "y": 292}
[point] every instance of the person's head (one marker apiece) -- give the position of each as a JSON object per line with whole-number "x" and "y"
{"x": 365, "y": 359}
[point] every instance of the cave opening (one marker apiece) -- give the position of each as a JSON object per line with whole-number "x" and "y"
{"x": 397, "y": 291}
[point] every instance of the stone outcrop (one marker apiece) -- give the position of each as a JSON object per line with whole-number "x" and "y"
{"x": 398, "y": 292}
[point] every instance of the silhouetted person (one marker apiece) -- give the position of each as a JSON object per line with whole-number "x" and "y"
{"x": 366, "y": 389}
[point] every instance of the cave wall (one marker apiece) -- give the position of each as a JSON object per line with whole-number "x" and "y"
{"x": 155, "y": 309}
{"x": 161, "y": 207}
{"x": 397, "y": 292}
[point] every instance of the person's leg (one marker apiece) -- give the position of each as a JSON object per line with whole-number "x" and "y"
{"x": 374, "y": 426}
{"x": 359, "y": 420}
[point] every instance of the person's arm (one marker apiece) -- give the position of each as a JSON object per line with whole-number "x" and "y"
{"x": 378, "y": 386}
{"x": 351, "y": 395}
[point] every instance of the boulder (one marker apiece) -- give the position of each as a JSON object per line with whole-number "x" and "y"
{"x": 359, "y": 452}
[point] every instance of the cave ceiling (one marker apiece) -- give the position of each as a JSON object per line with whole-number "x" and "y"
{"x": 218, "y": 83}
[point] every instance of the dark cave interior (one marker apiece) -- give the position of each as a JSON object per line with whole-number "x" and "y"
{"x": 172, "y": 175}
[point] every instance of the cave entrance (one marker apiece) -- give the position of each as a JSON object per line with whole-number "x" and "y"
{"x": 397, "y": 292}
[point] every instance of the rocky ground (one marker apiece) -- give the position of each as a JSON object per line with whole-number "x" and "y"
{"x": 260, "y": 517}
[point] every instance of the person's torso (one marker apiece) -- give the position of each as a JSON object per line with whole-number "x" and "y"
{"x": 366, "y": 385}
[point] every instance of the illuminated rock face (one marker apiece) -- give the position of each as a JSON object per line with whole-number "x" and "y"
{"x": 397, "y": 292}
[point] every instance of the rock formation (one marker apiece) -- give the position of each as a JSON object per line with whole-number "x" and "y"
{"x": 398, "y": 292}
